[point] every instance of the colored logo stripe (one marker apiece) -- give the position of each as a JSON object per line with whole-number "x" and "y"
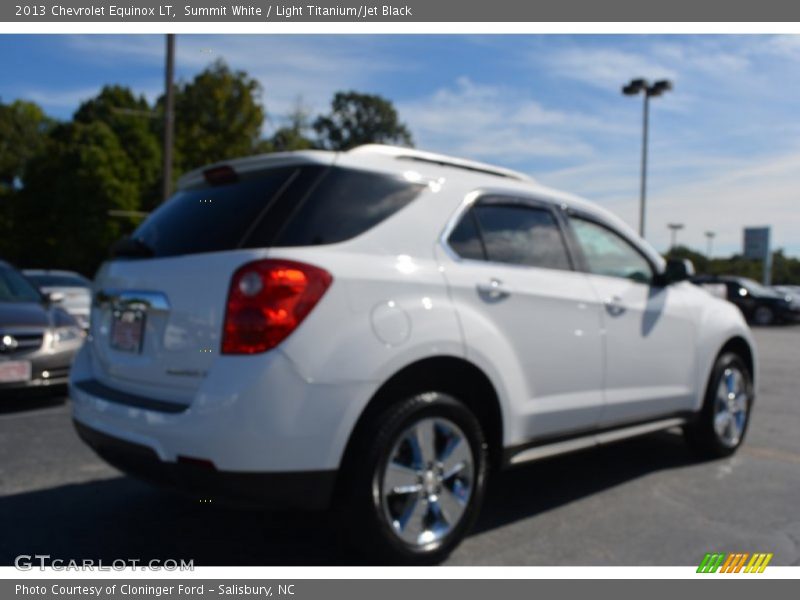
{"x": 758, "y": 563}
{"x": 734, "y": 562}
{"x": 711, "y": 562}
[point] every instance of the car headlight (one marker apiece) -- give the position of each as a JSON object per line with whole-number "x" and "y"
{"x": 65, "y": 335}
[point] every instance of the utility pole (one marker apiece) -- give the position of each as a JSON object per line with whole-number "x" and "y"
{"x": 169, "y": 117}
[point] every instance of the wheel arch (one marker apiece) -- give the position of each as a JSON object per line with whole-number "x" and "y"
{"x": 447, "y": 374}
{"x": 739, "y": 345}
{"x": 742, "y": 348}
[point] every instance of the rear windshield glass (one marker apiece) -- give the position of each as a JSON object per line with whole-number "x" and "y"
{"x": 290, "y": 206}
{"x": 210, "y": 219}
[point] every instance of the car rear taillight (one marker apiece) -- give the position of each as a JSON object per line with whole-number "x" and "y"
{"x": 267, "y": 300}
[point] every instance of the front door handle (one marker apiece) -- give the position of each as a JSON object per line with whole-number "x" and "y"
{"x": 494, "y": 290}
{"x": 614, "y": 306}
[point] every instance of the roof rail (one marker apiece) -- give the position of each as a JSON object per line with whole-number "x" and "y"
{"x": 401, "y": 153}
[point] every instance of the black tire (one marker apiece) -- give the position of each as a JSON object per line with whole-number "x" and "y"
{"x": 701, "y": 433}
{"x": 763, "y": 315}
{"x": 360, "y": 501}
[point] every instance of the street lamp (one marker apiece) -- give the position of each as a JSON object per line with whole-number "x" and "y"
{"x": 674, "y": 228}
{"x": 650, "y": 90}
{"x": 710, "y": 237}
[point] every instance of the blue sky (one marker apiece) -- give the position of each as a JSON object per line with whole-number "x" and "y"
{"x": 725, "y": 145}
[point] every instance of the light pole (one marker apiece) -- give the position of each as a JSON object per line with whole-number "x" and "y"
{"x": 674, "y": 228}
{"x": 710, "y": 245}
{"x": 650, "y": 90}
{"x": 169, "y": 116}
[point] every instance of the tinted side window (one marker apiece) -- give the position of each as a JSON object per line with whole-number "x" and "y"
{"x": 346, "y": 203}
{"x": 522, "y": 235}
{"x": 466, "y": 239}
{"x": 607, "y": 253}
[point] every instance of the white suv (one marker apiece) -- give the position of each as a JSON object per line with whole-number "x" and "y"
{"x": 377, "y": 330}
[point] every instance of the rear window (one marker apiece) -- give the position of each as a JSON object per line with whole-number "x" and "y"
{"x": 291, "y": 206}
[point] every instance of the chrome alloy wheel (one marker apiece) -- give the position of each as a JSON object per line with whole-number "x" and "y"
{"x": 427, "y": 481}
{"x": 730, "y": 407}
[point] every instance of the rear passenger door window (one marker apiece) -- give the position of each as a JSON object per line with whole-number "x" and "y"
{"x": 516, "y": 234}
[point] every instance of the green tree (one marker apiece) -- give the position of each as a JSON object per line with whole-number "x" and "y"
{"x": 357, "y": 119}
{"x": 133, "y": 121}
{"x": 295, "y": 135}
{"x": 218, "y": 115}
{"x": 785, "y": 269}
{"x": 61, "y": 216}
{"x": 23, "y": 132}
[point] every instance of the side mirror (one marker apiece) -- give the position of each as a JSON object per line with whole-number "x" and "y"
{"x": 677, "y": 269}
{"x": 55, "y": 297}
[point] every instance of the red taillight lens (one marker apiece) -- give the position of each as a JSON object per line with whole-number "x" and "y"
{"x": 268, "y": 299}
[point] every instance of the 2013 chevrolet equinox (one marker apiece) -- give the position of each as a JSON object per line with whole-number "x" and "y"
{"x": 376, "y": 329}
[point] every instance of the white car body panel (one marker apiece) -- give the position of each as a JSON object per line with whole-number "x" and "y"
{"x": 650, "y": 350}
{"x": 557, "y": 361}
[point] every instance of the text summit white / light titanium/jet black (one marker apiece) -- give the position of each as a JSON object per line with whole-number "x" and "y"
{"x": 378, "y": 329}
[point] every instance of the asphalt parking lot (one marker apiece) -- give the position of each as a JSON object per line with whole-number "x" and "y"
{"x": 641, "y": 502}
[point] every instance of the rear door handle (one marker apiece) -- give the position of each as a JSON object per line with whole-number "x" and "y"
{"x": 614, "y": 306}
{"x": 494, "y": 290}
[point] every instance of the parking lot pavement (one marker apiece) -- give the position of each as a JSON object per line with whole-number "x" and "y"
{"x": 641, "y": 502}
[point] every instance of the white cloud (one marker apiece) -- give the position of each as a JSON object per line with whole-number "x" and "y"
{"x": 761, "y": 193}
{"x": 724, "y": 198}
{"x": 498, "y": 123}
{"x": 605, "y": 67}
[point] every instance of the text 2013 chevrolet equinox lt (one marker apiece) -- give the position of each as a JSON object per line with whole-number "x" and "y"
{"x": 377, "y": 330}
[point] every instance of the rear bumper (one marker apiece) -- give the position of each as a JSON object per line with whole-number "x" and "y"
{"x": 249, "y": 414}
{"x": 306, "y": 490}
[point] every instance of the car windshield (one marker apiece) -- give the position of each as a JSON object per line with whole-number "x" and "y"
{"x": 15, "y": 288}
{"x": 756, "y": 289}
{"x": 57, "y": 280}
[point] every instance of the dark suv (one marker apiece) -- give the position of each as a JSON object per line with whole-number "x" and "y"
{"x": 759, "y": 304}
